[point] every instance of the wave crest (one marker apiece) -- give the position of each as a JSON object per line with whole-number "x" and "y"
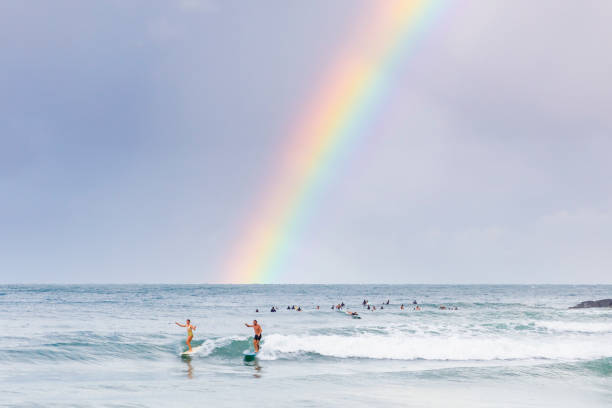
{"x": 436, "y": 348}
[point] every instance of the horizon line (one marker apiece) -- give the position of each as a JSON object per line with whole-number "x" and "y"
{"x": 303, "y": 284}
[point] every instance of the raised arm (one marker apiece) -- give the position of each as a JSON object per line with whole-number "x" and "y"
{"x": 178, "y": 324}
{"x": 248, "y": 325}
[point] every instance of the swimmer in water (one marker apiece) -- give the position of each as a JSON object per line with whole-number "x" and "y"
{"x": 190, "y": 329}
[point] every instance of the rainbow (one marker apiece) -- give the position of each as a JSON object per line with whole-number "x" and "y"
{"x": 347, "y": 97}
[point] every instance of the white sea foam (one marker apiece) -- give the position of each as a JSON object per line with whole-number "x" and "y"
{"x": 439, "y": 348}
{"x": 584, "y": 327}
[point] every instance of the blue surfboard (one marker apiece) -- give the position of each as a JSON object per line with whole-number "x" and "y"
{"x": 249, "y": 355}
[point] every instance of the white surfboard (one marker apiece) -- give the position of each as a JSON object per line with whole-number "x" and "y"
{"x": 193, "y": 351}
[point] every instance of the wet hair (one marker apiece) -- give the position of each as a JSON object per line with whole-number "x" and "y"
{"x": 188, "y": 320}
{"x": 255, "y": 321}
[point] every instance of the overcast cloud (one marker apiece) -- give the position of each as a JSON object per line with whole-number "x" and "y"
{"x": 135, "y": 135}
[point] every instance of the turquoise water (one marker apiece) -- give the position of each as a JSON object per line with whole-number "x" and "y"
{"x": 116, "y": 345}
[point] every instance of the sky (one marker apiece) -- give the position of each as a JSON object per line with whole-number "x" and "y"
{"x": 137, "y": 136}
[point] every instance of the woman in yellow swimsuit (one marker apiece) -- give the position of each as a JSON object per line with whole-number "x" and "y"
{"x": 190, "y": 329}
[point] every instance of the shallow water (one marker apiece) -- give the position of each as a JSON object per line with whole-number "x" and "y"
{"x": 117, "y": 345}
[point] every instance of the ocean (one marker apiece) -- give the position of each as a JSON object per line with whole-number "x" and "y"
{"x": 118, "y": 346}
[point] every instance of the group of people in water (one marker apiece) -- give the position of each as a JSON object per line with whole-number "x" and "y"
{"x": 365, "y": 304}
{"x": 339, "y": 307}
{"x": 274, "y": 309}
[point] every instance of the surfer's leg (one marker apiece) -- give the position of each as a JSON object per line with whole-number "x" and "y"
{"x": 189, "y": 342}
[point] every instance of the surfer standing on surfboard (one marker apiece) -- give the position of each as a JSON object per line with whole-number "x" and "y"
{"x": 190, "y": 329}
{"x": 257, "y": 337}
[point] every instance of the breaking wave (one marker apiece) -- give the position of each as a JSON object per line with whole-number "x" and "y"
{"x": 437, "y": 348}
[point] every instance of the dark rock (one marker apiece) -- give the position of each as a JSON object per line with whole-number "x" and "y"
{"x": 593, "y": 303}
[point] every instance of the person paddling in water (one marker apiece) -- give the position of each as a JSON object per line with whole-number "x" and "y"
{"x": 190, "y": 329}
{"x": 257, "y": 337}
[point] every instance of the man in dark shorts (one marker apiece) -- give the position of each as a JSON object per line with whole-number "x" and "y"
{"x": 257, "y": 337}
